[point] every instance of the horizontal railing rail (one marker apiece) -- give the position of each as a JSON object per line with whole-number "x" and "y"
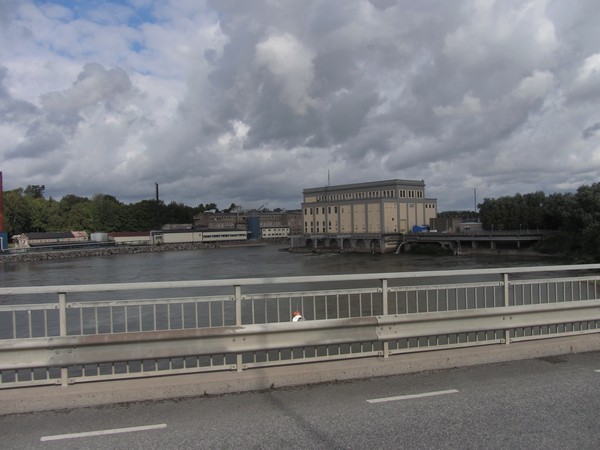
{"x": 73, "y": 333}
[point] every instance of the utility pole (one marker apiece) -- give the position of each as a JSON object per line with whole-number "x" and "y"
{"x": 157, "y": 213}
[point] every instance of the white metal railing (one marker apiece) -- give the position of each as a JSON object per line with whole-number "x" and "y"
{"x": 55, "y": 334}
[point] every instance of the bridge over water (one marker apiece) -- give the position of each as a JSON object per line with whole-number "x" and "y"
{"x": 465, "y": 242}
{"x": 394, "y": 242}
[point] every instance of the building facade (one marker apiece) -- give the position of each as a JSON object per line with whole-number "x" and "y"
{"x": 50, "y": 238}
{"x": 252, "y": 221}
{"x": 363, "y": 217}
{"x": 379, "y": 207}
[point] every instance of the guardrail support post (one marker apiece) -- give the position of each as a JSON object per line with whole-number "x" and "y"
{"x": 384, "y": 299}
{"x": 62, "y": 321}
{"x": 238, "y": 321}
{"x": 506, "y": 303}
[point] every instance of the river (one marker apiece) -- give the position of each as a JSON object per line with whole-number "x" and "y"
{"x": 237, "y": 262}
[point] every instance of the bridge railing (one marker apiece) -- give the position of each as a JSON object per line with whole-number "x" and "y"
{"x": 73, "y": 333}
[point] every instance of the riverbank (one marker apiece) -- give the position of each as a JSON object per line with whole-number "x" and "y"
{"x": 58, "y": 254}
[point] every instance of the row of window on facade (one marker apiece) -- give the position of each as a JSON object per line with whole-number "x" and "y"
{"x": 308, "y": 211}
{"x": 402, "y": 193}
{"x": 318, "y": 230}
{"x": 334, "y": 209}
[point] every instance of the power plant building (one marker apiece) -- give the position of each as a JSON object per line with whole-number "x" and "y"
{"x": 365, "y": 214}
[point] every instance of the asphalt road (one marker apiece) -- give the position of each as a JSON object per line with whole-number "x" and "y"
{"x": 535, "y": 404}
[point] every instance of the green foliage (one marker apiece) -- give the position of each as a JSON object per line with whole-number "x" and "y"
{"x": 34, "y": 191}
{"x": 465, "y": 215}
{"x": 26, "y": 210}
{"x": 17, "y": 212}
{"x": 575, "y": 216}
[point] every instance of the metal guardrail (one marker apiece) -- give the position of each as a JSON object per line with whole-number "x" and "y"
{"x": 75, "y": 333}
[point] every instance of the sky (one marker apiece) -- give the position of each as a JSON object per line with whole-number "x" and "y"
{"x": 250, "y": 102}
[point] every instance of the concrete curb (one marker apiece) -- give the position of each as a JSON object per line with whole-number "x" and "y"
{"x": 24, "y": 400}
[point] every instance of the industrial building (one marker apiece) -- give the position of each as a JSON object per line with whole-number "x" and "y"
{"x": 25, "y": 240}
{"x": 369, "y": 216}
{"x": 260, "y": 224}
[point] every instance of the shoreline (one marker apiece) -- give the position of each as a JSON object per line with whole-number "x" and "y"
{"x": 58, "y": 254}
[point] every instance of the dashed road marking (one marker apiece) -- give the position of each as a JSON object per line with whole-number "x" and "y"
{"x": 408, "y": 397}
{"x": 58, "y": 437}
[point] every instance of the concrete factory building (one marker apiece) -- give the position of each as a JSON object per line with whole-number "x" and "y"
{"x": 365, "y": 215}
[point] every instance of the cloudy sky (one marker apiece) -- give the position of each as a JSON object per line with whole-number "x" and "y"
{"x": 252, "y": 101}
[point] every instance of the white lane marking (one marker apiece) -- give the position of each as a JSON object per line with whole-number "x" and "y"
{"x": 407, "y": 397}
{"x": 58, "y": 437}
{"x": 598, "y": 370}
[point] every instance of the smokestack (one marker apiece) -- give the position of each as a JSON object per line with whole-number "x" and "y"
{"x": 1, "y": 205}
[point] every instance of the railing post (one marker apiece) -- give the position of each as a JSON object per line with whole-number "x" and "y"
{"x": 384, "y": 300}
{"x": 506, "y": 303}
{"x": 62, "y": 321}
{"x": 238, "y": 320}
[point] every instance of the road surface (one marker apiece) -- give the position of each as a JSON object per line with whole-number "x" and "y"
{"x": 542, "y": 403}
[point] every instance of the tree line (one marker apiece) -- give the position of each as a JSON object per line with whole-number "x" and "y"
{"x": 27, "y": 210}
{"x": 573, "y": 217}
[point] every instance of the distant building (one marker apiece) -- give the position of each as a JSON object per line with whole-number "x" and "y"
{"x": 130, "y": 237}
{"x": 454, "y": 225}
{"x": 220, "y": 221}
{"x": 363, "y": 217}
{"x": 380, "y": 207}
{"x": 274, "y": 233}
{"x": 177, "y": 226}
{"x": 266, "y": 225}
{"x": 50, "y": 238}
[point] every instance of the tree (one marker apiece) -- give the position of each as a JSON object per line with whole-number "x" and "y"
{"x": 79, "y": 217}
{"x": 145, "y": 215}
{"x": 233, "y": 207}
{"x": 106, "y": 213}
{"x": 35, "y": 191}
{"x": 17, "y": 213}
{"x": 177, "y": 213}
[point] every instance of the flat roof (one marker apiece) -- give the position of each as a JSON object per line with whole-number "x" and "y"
{"x": 367, "y": 185}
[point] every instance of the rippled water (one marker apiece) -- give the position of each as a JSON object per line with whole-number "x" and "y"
{"x": 237, "y": 262}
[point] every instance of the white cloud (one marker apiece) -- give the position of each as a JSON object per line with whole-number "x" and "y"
{"x": 468, "y": 106}
{"x": 249, "y": 102}
{"x": 538, "y": 85}
{"x": 292, "y": 66}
